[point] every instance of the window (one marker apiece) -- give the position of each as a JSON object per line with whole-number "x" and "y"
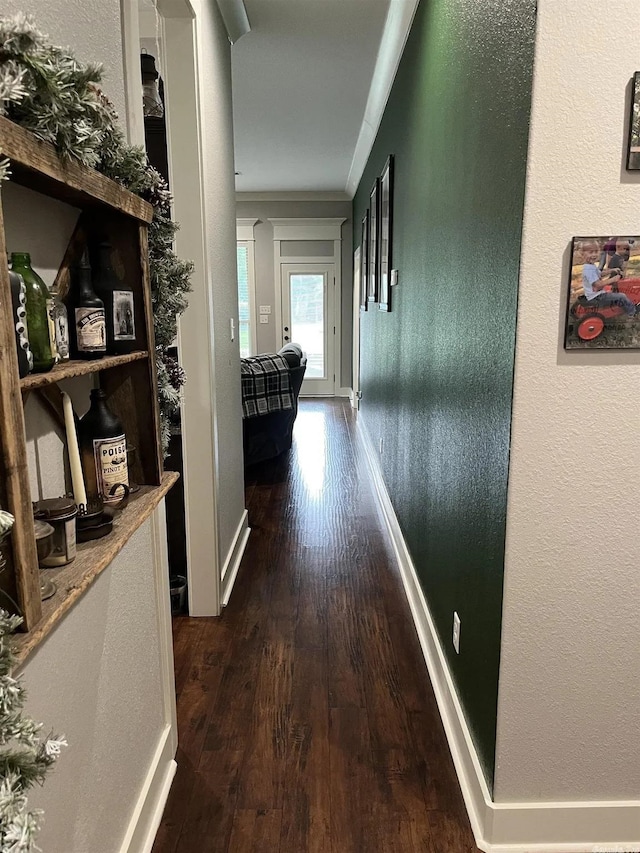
{"x": 246, "y": 287}
{"x": 244, "y": 302}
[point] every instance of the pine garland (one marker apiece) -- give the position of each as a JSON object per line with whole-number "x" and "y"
{"x": 49, "y": 92}
{"x": 25, "y": 758}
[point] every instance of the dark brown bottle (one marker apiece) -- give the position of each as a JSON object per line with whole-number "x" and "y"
{"x": 88, "y": 337}
{"x": 118, "y": 301}
{"x": 103, "y": 449}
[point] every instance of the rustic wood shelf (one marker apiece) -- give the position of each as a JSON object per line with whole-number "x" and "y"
{"x": 37, "y": 165}
{"x": 92, "y": 559}
{"x": 110, "y": 213}
{"x": 69, "y": 369}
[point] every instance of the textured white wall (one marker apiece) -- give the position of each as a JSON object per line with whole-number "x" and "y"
{"x": 91, "y": 29}
{"x": 97, "y": 680}
{"x": 97, "y": 677}
{"x": 214, "y": 57}
{"x": 569, "y": 696}
{"x": 268, "y": 337}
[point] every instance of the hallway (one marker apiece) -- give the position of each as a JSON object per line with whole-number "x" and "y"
{"x": 306, "y": 720}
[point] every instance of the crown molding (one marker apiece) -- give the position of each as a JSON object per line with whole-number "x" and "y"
{"x": 394, "y": 37}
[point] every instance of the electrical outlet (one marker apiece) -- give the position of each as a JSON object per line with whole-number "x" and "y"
{"x": 381, "y": 445}
{"x": 264, "y": 318}
{"x": 456, "y": 632}
{"x": 265, "y": 309}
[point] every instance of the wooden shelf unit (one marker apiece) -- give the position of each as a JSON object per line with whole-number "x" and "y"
{"x": 93, "y": 558}
{"x": 108, "y": 211}
{"x": 71, "y": 369}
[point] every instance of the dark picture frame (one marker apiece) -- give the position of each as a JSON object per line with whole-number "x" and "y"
{"x": 633, "y": 144}
{"x": 385, "y": 233}
{"x": 372, "y": 255}
{"x": 603, "y": 294}
{"x": 364, "y": 261}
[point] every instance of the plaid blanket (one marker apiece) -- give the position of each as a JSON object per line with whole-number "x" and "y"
{"x": 265, "y": 385}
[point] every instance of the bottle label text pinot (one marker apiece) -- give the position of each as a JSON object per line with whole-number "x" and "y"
{"x": 110, "y": 455}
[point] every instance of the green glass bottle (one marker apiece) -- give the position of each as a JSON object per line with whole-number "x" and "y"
{"x": 39, "y": 319}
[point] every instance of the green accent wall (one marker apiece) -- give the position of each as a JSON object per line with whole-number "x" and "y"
{"x": 437, "y": 372}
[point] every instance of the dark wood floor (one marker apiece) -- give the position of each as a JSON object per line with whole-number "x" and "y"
{"x": 306, "y": 718}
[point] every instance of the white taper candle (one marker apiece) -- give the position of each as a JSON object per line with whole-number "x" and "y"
{"x": 77, "y": 480}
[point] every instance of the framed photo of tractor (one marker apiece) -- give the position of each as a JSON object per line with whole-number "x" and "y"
{"x": 633, "y": 151}
{"x": 386, "y": 221}
{"x": 603, "y": 309}
{"x": 364, "y": 261}
{"x": 373, "y": 255}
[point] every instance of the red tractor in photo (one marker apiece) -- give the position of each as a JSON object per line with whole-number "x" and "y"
{"x": 592, "y": 318}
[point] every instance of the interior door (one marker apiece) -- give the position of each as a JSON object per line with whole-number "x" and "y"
{"x": 308, "y": 320}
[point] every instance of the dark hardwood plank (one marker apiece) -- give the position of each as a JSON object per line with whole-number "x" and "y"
{"x": 307, "y": 721}
{"x": 256, "y": 831}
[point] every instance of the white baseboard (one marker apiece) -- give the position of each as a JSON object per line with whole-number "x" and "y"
{"x": 344, "y": 392}
{"x": 147, "y": 813}
{"x": 529, "y": 827}
{"x": 234, "y": 558}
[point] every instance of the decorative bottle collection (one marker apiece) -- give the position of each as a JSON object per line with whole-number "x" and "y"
{"x": 118, "y": 303}
{"x": 97, "y": 318}
{"x": 103, "y": 449}
{"x": 39, "y": 313}
{"x": 88, "y": 326}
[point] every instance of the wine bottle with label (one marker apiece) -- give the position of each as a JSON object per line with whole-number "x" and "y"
{"x": 118, "y": 300}
{"x": 88, "y": 337}
{"x": 103, "y": 449}
{"x": 42, "y": 335}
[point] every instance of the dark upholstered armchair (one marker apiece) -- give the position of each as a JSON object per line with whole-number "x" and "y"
{"x": 269, "y": 435}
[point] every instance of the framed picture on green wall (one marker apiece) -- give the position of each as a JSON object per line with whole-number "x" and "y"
{"x": 386, "y": 199}
{"x": 633, "y": 151}
{"x": 373, "y": 257}
{"x": 604, "y": 294}
{"x": 364, "y": 260}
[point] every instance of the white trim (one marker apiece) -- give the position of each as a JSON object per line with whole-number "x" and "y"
{"x": 130, "y": 23}
{"x": 549, "y": 827}
{"x": 163, "y": 616}
{"x": 394, "y": 37}
{"x": 234, "y": 557}
{"x": 293, "y": 196}
{"x": 147, "y": 814}
{"x": 195, "y": 327}
{"x": 311, "y": 259}
{"x": 244, "y": 230}
{"x": 308, "y": 229}
{"x": 344, "y": 392}
{"x": 355, "y": 330}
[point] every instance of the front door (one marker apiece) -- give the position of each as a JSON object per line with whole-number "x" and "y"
{"x": 308, "y": 320}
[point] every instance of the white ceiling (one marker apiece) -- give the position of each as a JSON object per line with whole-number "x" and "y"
{"x": 301, "y": 80}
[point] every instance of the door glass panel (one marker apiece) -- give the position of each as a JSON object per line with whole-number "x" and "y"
{"x": 306, "y": 293}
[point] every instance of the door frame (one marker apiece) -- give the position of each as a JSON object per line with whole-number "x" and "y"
{"x": 177, "y": 30}
{"x": 311, "y": 268}
{"x": 320, "y": 229}
{"x": 357, "y": 283}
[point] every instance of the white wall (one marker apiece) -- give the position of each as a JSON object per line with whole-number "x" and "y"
{"x": 569, "y": 696}
{"x": 214, "y": 58}
{"x": 267, "y": 334}
{"x": 102, "y": 677}
{"x": 90, "y": 28}
{"x": 97, "y": 680}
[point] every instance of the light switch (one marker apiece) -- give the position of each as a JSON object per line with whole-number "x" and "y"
{"x": 394, "y": 278}
{"x": 265, "y": 309}
{"x": 264, "y": 318}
